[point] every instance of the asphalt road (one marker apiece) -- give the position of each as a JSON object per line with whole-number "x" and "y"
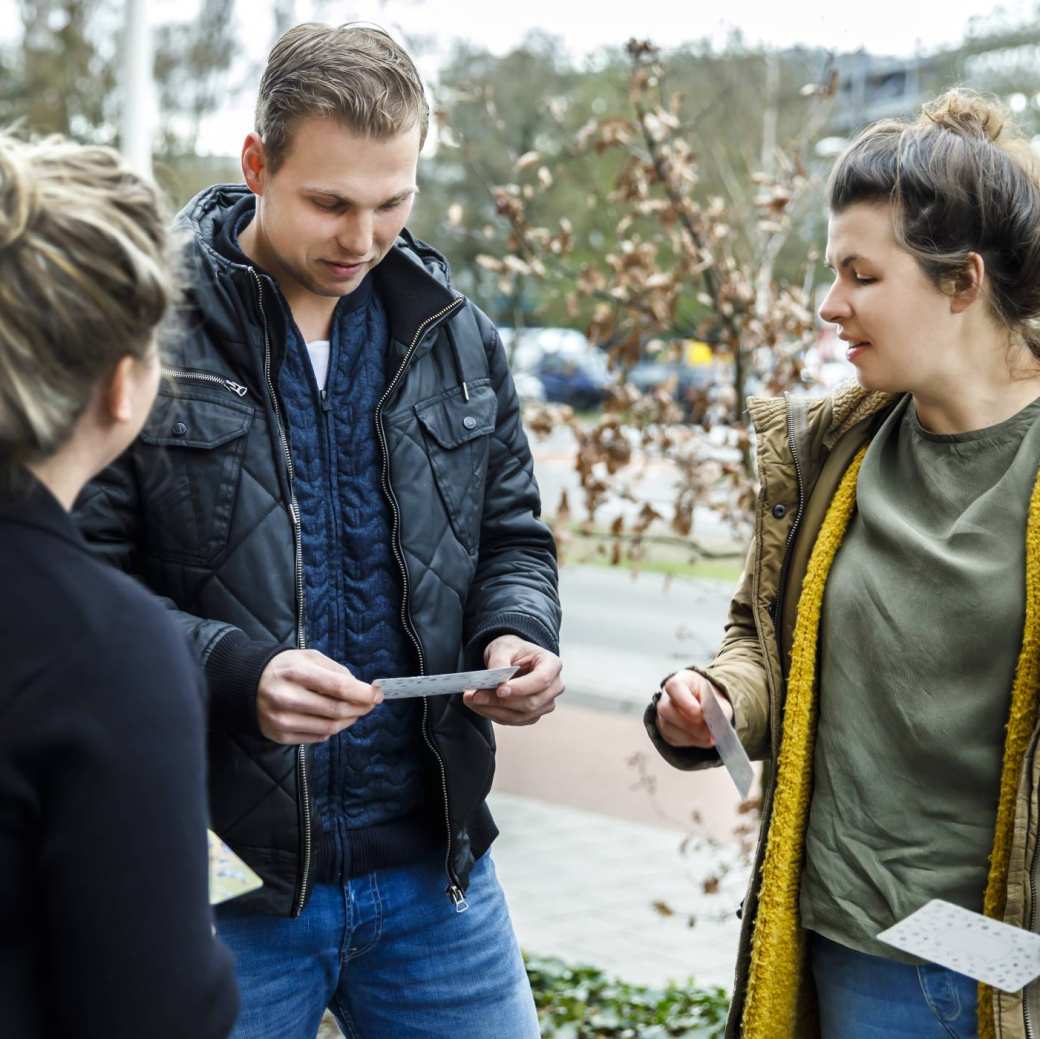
{"x": 621, "y": 633}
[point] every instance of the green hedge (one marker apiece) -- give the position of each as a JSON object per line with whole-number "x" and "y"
{"x": 582, "y": 1003}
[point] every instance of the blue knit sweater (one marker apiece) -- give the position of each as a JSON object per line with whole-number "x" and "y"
{"x": 370, "y": 775}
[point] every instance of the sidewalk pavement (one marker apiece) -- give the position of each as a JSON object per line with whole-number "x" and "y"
{"x": 587, "y": 849}
{"x": 632, "y": 899}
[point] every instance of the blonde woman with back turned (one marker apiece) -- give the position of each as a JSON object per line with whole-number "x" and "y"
{"x": 882, "y": 647}
{"x": 106, "y": 926}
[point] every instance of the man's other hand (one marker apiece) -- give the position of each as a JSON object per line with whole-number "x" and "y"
{"x": 680, "y": 719}
{"x": 304, "y": 697}
{"x": 528, "y": 694}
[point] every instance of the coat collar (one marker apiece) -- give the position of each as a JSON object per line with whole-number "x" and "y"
{"x": 31, "y": 504}
{"x": 413, "y": 279}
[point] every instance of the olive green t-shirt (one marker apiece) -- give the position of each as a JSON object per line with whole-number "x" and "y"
{"x": 922, "y": 625}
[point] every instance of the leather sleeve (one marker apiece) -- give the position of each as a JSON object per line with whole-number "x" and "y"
{"x": 108, "y": 514}
{"x": 514, "y": 589}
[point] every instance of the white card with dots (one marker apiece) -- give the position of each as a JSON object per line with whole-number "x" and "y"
{"x": 1006, "y": 957}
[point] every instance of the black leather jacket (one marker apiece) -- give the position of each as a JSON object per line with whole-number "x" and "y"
{"x": 201, "y": 508}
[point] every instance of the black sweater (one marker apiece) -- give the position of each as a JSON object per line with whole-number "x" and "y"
{"x": 105, "y": 928}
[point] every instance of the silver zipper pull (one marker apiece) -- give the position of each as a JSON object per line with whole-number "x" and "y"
{"x": 235, "y": 387}
{"x": 458, "y": 899}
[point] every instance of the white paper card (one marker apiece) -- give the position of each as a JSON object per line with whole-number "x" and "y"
{"x": 990, "y": 951}
{"x": 442, "y": 685}
{"x": 728, "y": 744}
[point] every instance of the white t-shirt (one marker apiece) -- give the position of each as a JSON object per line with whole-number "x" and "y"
{"x": 319, "y": 355}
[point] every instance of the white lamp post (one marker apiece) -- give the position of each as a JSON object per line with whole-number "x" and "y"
{"x": 136, "y": 84}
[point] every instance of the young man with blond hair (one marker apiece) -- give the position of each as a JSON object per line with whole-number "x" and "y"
{"x": 335, "y": 487}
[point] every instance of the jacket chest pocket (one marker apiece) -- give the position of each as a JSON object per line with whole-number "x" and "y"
{"x": 457, "y": 434}
{"x": 190, "y": 466}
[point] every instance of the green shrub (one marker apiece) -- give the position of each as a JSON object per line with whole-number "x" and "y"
{"x": 582, "y": 1003}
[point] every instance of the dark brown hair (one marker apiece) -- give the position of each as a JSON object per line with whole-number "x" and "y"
{"x": 354, "y": 73}
{"x": 961, "y": 179}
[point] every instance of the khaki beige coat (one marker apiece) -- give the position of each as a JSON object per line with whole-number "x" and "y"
{"x": 802, "y": 449}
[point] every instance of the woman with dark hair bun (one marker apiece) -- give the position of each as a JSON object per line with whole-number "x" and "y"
{"x": 107, "y": 930}
{"x": 884, "y": 645}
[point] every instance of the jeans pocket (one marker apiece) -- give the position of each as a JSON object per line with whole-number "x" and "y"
{"x": 952, "y": 998}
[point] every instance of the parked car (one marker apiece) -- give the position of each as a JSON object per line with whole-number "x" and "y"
{"x": 580, "y": 380}
{"x": 571, "y": 370}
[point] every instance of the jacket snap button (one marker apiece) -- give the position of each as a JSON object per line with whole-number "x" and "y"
{"x": 779, "y": 511}
{"x": 469, "y": 422}
{"x": 179, "y": 429}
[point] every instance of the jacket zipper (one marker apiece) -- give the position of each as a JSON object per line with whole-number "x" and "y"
{"x": 454, "y": 892}
{"x": 187, "y": 375}
{"x": 778, "y": 603}
{"x": 301, "y": 634}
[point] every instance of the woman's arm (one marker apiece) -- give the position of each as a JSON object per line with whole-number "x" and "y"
{"x": 738, "y": 673}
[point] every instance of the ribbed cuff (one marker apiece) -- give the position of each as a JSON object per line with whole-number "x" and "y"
{"x": 233, "y": 670}
{"x": 520, "y": 624}
{"x": 686, "y": 758}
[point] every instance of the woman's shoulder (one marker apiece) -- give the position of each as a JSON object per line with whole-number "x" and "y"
{"x": 821, "y": 419}
{"x": 68, "y": 618}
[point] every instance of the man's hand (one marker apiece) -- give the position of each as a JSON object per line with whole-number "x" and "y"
{"x": 527, "y": 695}
{"x": 304, "y": 697}
{"x": 680, "y": 720}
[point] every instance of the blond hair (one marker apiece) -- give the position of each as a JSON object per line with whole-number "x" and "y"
{"x": 84, "y": 280}
{"x": 354, "y": 73}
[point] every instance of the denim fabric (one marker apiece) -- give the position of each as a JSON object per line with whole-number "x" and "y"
{"x": 868, "y": 997}
{"x": 388, "y": 954}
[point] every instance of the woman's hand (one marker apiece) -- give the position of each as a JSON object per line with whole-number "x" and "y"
{"x": 680, "y": 720}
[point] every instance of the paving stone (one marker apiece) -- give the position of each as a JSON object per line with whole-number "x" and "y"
{"x": 590, "y": 898}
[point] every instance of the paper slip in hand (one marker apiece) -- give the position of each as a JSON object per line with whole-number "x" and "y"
{"x": 727, "y": 743}
{"x": 442, "y": 685}
{"x": 229, "y": 876}
{"x": 990, "y": 951}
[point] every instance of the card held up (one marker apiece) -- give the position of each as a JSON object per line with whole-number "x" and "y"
{"x": 1005, "y": 957}
{"x": 443, "y": 685}
{"x": 727, "y": 743}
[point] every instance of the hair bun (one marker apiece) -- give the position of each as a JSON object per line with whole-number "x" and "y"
{"x": 17, "y": 193}
{"x": 966, "y": 113}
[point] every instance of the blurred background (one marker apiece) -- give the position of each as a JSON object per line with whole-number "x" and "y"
{"x": 634, "y": 193}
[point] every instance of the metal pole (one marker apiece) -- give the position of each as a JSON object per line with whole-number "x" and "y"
{"x": 136, "y": 83}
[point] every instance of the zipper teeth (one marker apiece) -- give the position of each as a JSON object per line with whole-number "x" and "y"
{"x": 186, "y": 375}
{"x": 399, "y": 556}
{"x": 798, "y": 477}
{"x": 301, "y": 634}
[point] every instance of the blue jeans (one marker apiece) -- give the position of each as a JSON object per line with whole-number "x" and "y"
{"x": 390, "y": 957}
{"x": 869, "y": 997}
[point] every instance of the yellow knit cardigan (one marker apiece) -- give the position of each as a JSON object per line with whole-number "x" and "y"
{"x": 778, "y": 965}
